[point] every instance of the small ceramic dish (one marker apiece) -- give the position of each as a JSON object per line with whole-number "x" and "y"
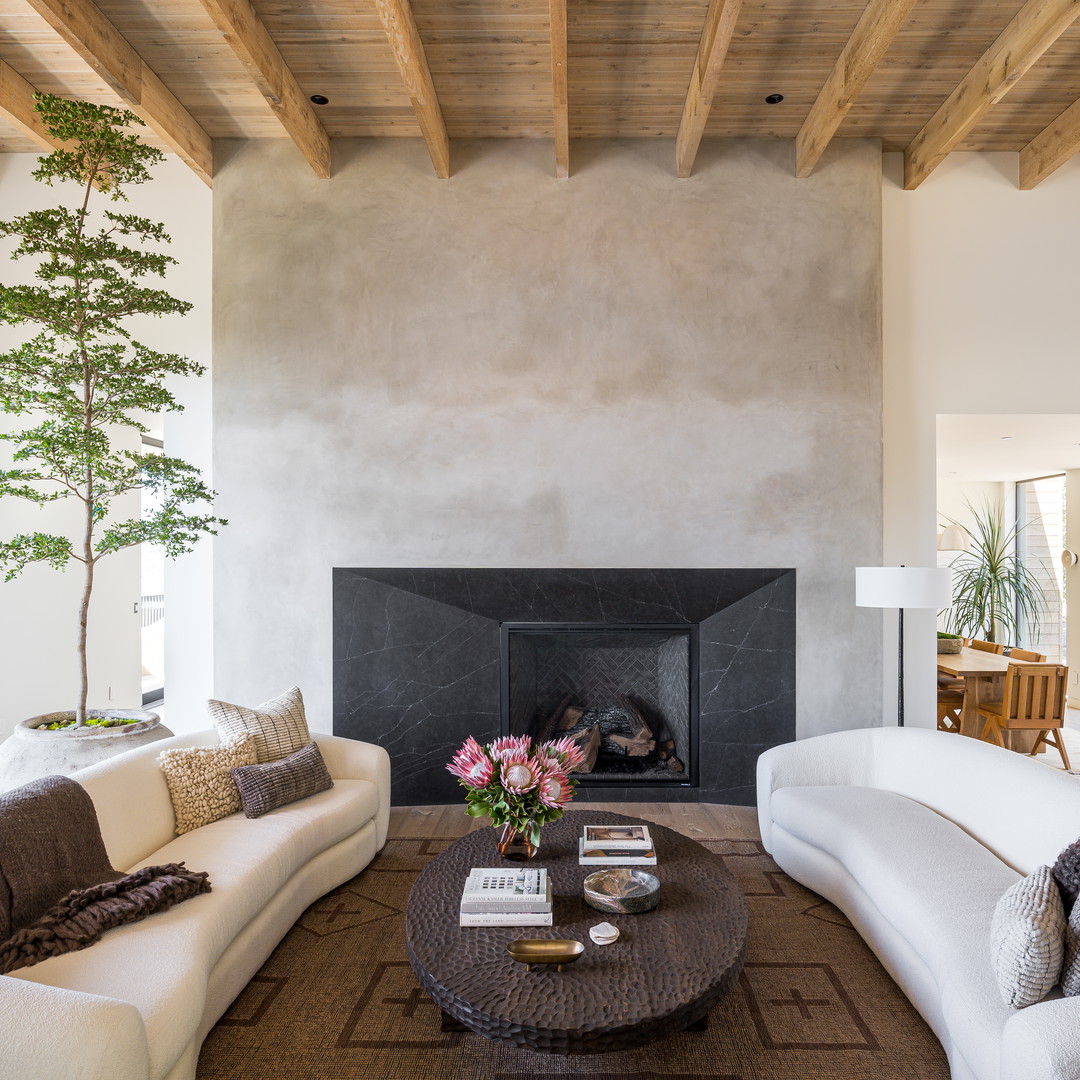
{"x": 530, "y": 951}
{"x": 622, "y": 889}
{"x": 604, "y": 933}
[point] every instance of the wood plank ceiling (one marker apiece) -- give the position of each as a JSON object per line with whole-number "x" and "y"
{"x": 926, "y": 77}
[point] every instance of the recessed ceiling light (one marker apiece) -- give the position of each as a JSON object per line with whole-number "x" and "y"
{"x": 1005, "y": 438}
{"x": 774, "y": 99}
{"x": 319, "y": 99}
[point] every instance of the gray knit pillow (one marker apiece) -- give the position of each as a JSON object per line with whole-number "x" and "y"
{"x": 1070, "y": 972}
{"x": 277, "y": 783}
{"x": 1027, "y": 939}
{"x": 279, "y": 725}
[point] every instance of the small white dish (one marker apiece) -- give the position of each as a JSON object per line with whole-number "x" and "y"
{"x": 604, "y": 933}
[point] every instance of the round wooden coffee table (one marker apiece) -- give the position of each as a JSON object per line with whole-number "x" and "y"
{"x": 669, "y": 967}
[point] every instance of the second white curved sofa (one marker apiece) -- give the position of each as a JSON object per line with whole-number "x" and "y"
{"x": 914, "y": 835}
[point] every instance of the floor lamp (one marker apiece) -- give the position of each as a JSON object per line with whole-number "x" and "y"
{"x": 902, "y": 587}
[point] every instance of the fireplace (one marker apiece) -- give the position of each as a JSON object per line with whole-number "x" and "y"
{"x": 423, "y": 659}
{"x": 626, "y": 694}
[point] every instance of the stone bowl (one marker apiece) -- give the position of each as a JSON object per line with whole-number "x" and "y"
{"x": 622, "y": 889}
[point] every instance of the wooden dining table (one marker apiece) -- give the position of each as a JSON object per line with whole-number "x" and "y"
{"x": 984, "y": 677}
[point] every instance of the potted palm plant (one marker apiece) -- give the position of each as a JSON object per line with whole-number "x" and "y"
{"x": 993, "y": 592}
{"x": 83, "y": 382}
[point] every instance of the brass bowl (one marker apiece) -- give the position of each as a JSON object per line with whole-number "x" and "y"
{"x": 529, "y": 951}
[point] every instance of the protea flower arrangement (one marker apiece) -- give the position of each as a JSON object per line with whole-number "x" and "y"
{"x": 521, "y": 787}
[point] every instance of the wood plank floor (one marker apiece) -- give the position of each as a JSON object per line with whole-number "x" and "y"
{"x": 696, "y": 820}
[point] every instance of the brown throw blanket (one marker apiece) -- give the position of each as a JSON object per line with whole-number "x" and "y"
{"x": 58, "y": 892}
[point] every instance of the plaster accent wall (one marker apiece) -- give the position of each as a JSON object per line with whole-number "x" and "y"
{"x": 502, "y": 369}
{"x": 979, "y": 317}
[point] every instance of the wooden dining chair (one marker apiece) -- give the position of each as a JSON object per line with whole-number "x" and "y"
{"x": 1034, "y": 700}
{"x": 1027, "y": 654}
{"x": 986, "y": 646}
{"x": 950, "y": 704}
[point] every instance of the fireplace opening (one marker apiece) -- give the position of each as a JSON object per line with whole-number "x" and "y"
{"x": 626, "y": 693}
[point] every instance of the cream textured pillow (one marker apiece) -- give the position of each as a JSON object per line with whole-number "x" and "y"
{"x": 200, "y": 782}
{"x": 1027, "y": 939}
{"x": 278, "y": 725}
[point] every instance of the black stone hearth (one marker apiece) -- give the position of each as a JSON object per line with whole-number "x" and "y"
{"x": 417, "y": 663}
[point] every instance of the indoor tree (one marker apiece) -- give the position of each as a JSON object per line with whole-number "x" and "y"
{"x": 991, "y": 587}
{"x": 82, "y": 379}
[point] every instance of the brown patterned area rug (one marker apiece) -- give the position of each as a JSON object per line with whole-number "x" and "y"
{"x": 338, "y": 1000}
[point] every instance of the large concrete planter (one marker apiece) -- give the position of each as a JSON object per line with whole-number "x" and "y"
{"x": 31, "y": 752}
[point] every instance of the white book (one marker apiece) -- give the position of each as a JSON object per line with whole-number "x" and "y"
{"x": 617, "y": 836}
{"x": 508, "y": 888}
{"x": 504, "y": 918}
{"x": 615, "y": 856}
{"x": 514, "y": 905}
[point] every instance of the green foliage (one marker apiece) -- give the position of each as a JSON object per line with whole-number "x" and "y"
{"x": 991, "y": 587}
{"x": 82, "y": 378}
{"x": 526, "y": 813}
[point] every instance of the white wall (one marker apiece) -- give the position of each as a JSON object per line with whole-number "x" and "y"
{"x": 979, "y": 317}
{"x": 38, "y": 611}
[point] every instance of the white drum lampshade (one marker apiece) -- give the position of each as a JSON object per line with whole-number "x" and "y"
{"x": 902, "y": 587}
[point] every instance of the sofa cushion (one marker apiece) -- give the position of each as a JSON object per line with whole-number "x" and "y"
{"x": 200, "y": 781}
{"x": 162, "y": 965}
{"x": 279, "y": 725}
{"x": 265, "y": 787}
{"x": 921, "y": 888}
{"x": 1027, "y": 939}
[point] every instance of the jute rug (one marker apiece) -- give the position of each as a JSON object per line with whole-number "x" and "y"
{"x": 337, "y": 1000}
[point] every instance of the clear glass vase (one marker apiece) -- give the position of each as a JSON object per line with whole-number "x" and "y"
{"x": 516, "y": 845}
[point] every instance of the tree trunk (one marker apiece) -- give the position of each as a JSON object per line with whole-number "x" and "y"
{"x": 84, "y": 610}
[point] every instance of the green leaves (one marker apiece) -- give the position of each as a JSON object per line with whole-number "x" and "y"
{"x": 991, "y": 587}
{"x": 20, "y": 551}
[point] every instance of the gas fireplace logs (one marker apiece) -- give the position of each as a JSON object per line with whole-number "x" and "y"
{"x": 618, "y": 730}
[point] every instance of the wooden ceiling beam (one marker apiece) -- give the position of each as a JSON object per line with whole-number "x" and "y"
{"x": 408, "y": 49}
{"x": 1035, "y": 27}
{"x": 1051, "y": 148}
{"x": 17, "y": 107}
{"x": 248, "y": 37}
{"x": 873, "y": 34}
{"x": 560, "y": 100}
{"x": 93, "y": 36}
{"x": 712, "y": 49}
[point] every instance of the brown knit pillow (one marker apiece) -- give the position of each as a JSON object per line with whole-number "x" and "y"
{"x": 267, "y": 786}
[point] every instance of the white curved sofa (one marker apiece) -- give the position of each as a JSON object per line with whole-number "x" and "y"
{"x": 138, "y": 1004}
{"x": 914, "y": 835}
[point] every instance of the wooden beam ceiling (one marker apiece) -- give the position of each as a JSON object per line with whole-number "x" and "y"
{"x": 560, "y": 99}
{"x": 17, "y": 107}
{"x": 93, "y": 36}
{"x": 873, "y": 34}
{"x": 1036, "y": 27}
{"x": 1051, "y": 148}
{"x": 251, "y": 41}
{"x": 712, "y": 49}
{"x": 400, "y": 26}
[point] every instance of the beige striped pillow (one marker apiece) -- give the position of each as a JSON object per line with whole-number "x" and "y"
{"x": 279, "y": 725}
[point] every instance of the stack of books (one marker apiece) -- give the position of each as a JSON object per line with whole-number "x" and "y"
{"x": 500, "y": 897}
{"x": 616, "y": 845}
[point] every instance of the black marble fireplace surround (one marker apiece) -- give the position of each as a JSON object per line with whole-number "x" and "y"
{"x": 417, "y": 662}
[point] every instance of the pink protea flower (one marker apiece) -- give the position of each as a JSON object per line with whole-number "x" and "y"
{"x": 511, "y": 746}
{"x": 554, "y": 789}
{"x": 566, "y": 751}
{"x": 519, "y": 774}
{"x": 471, "y": 765}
